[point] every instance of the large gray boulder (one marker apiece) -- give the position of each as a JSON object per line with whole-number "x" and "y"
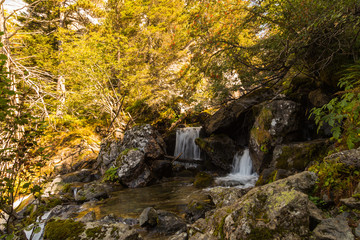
{"x": 280, "y": 210}
{"x": 351, "y": 158}
{"x": 275, "y": 123}
{"x": 333, "y": 229}
{"x": 288, "y": 159}
{"x": 133, "y": 157}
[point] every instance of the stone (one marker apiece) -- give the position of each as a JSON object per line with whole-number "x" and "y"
{"x": 148, "y": 217}
{"x": 134, "y": 156}
{"x": 169, "y": 223}
{"x": 333, "y": 229}
{"x": 196, "y": 209}
{"x": 147, "y": 140}
{"x": 161, "y": 168}
{"x": 88, "y": 217}
{"x": 234, "y": 114}
{"x": 132, "y": 169}
{"x": 219, "y": 149}
{"x": 351, "y": 158}
{"x": 179, "y": 236}
{"x": 84, "y": 175}
{"x": 279, "y": 210}
{"x": 351, "y": 202}
{"x": 275, "y": 123}
{"x": 225, "y": 196}
{"x": 357, "y": 231}
{"x": 93, "y": 190}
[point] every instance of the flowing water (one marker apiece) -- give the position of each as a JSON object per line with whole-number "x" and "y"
{"x": 172, "y": 195}
{"x": 185, "y": 143}
{"x": 242, "y": 174}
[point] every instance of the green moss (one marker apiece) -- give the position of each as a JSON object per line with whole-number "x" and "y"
{"x": 63, "y": 230}
{"x": 203, "y": 145}
{"x": 261, "y": 233}
{"x": 66, "y": 188}
{"x": 95, "y": 233}
{"x": 220, "y": 229}
{"x": 300, "y": 156}
{"x": 52, "y": 202}
{"x": 203, "y": 180}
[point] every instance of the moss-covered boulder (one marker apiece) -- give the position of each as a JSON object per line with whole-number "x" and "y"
{"x": 288, "y": 159}
{"x": 276, "y": 122}
{"x": 93, "y": 190}
{"x": 280, "y": 210}
{"x": 219, "y": 149}
{"x": 203, "y": 180}
{"x": 63, "y": 229}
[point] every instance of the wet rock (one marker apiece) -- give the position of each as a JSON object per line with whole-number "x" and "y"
{"x": 276, "y": 122}
{"x": 65, "y": 211}
{"x": 148, "y": 217}
{"x": 84, "y": 175}
{"x": 93, "y": 190}
{"x": 220, "y": 150}
{"x": 161, "y": 168}
{"x": 224, "y": 196}
{"x": 169, "y": 223}
{"x": 333, "y": 229}
{"x": 233, "y": 116}
{"x": 196, "y": 209}
{"x": 279, "y": 210}
{"x": 89, "y": 217}
{"x": 203, "y": 180}
{"x": 350, "y": 158}
{"x": 162, "y": 222}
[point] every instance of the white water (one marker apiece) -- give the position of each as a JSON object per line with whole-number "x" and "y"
{"x": 241, "y": 173}
{"x": 185, "y": 143}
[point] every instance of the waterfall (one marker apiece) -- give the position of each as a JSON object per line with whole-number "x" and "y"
{"x": 185, "y": 143}
{"x": 242, "y": 164}
{"x": 241, "y": 174}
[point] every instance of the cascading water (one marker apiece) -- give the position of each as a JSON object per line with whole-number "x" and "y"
{"x": 241, "y": 173}
{"x": 185, "y": 143}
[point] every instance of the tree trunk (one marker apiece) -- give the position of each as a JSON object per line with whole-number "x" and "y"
{"x": 61, "y": 80}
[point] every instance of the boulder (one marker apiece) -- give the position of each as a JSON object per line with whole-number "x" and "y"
{"x": 333, "y": 229}
{"x": 84, "y": 175}
{"x": 219, "y": 149}
{"x": 134, "y": 156}
{"x": 69, "y": 229}
{"x": 288, "y": 159}
{"x": 234, "y": 115}
{"x": 132, "y": 169}
{"x": 275, "y": 123}
{"x": 351, "y": 158}
{"x": 162, "y": 222}
{"x": 225, "y": 196}
{"x": 161, "y": 168}
{"x": 108, "y": 153}
{"x": 146, "y": 139}
{"x": 196, "y": 209}
{"x": 148, "y": 217}
{"x": 93, "y": 190}
{"x": 280, "y": 210}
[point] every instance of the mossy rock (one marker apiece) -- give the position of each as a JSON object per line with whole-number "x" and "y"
{"x": 63, "y": 230}
{"x": 203, "y": 180}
